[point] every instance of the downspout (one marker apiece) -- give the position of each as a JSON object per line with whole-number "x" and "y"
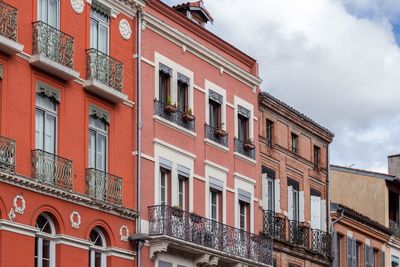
{"x": 328, "y": 191}
{"x": 139, "y": 132}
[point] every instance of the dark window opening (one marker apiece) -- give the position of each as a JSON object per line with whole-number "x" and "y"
{"x": 215, "y": 114}
{"x": 295, "y": 143}
{"x": 269, "y": 133}
{"x": 317, "y": 157}
{"x": 243, "y": 131}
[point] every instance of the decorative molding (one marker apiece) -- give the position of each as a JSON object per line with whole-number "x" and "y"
{"x": 176, "y": 149}
{"x": 18, "y": 228}
{"x": 78, "y": 6}
{"x": 124, "y": 233}
{"x": 75, "y": 219}
{"x": 19, "y": 208}
{"x": 199, "y": 177}
{"x": 199, "y": 88}
{"x": 125, "y": 29}
{"x": 183, "y": 79}
{"x": 12, "y": 215}
{"x": 99, "y": 113}
{"x": 215, "y": 165}
{"x": 157, "y": 247}
{"x": 46, "y": 90}
{"x": 144, "y": 23}
{"x": 174, "y": 126}
{"x": 244, "y": 178}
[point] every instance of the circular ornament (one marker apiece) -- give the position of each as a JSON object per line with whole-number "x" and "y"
{"x": 12, "y": 215}
{"x": 19, "y": 204}
{"x": 125, "y": 29}
{"x": 124, "y": 233}
{"x": 75, "y": 219}
{"x": 78, "y": 6}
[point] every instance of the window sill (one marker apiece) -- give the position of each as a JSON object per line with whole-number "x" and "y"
{"x": 240, "y": 156}
{"x": 174, "y": 126}
{"x": 216, "y": 145}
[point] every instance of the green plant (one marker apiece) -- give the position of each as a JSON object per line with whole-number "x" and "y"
{"x": 168, "y": 100}
{"x": 249, "y": 141}
{"x": 190, "y": 111}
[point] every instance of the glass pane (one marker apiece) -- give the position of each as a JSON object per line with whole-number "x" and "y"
{"x": 50, "y": 138}
{"x": 103, "y": 39}
{"x": 53, "y": 13}
{"x": 92, "y": 148}
{"x": 163, "y": 182}
{"x": 46, "y": 249}
{"x": 39, "y": 130}
{"x": 101, "y": 152}
{"x": 43, "y": 10}
{"x": 97, "y": 259}
{"x": 270, "y": 195}
{"x": 93, "y": 34}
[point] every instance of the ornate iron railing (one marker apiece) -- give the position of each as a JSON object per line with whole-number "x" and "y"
{"x": 7, "y": 154}
{"x": 210, "y": 133}
{"x": 103, "y": 186}
{"x": 174, "y": 222}
{"x": 394, "y": 227}
{"x": 53, "y": 44}
{"x": 321, "y": 242}
{"x": 175, "y": 117}
{"x": 105, "y": 69}
{"x": 240, "y": 148}
{"x": 298, "y": 234}
{"x": 274, "y": 226}
{"x": 8, "y": 21}
{"x": 51, "y": 169}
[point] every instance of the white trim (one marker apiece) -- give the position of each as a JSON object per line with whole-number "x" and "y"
{"x": 215, "y": 165}
{"x": 248, "y": 187}
{"x": 148, "y": 157}
{"x": 243, "y": 157}
{"x": 53, "y": 67}
{"x": 198, "y": 177}
{"x": 216, "y": 145}
{"x": 72, "y": 241}
{"x": 148, "y": 61}
{"x": 230, "y": 189}
{"x": 199, "y": 88}
{"x": 244, "y": 178}
{"x": 18, "y": 228}
{"x": 120, "y": 253}
{"x": 175, "y": 148}
{"x": 230, "y": 105}
{"x": 174, "y": 126}
{"x": 220, "y": 173}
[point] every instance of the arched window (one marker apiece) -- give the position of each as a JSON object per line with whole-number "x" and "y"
{"x": 97, "y": 256}
{"x": 45, "y": 249}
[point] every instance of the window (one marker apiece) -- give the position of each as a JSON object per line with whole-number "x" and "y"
{"x": 98, "y": 143}
{"x": 394, "y": 261}
{"x": 183, "y": 93}
{"x": 244, "y": 215}
{"x": 49, "y": 12}
{"x": 165, "y": 182}
{"x": 243, "y": 131}
{"x": 215, "y": 114}
{"x": 97, "y": 256}
{"x": 99, "y": 27}
{"x": 183, "y": 192}
{"x": 295, "y": 143}
{"x": 46, "y": 123}
{"x": 44, "y": 246}
{"x": 317, "y": 157}
{"x": 358, "y": 254}
{"x": 164, "y": 93}
{"x": 293, "y": 197}
{"x": 215, "y": 205}
{"x": 269, "y": 132}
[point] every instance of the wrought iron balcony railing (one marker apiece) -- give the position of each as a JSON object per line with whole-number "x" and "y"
{"x": 53, "y": 44}
{"x": 176, "y": 223}
{"x": 299, "y": 234}
{"x": 274, "y": 226}
{"x": 217, "y": 135}
{"x": 321, "y": 242}
{"x": 8, "y": 21}
{"x": 104, "y": 69}
{"x": 176, "y": 116}
{"x": 240, "y": 147}
{"x": 51, "y": 169}
{"x": 394, "y": 227}
{"x": 7, "y": 154}
{"x": 103, "y": 186}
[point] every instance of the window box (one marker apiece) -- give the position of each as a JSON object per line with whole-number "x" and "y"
{"x": 170, "y": 108}
{"x": 187, "y": 116}
{"x": 249, "y": 145}
{"x": 220, "y": 132}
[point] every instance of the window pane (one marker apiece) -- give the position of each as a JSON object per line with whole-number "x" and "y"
{"x": 270, "y": 195}
{"x": 181, "y": 193}
{"x": 39, "y": 129}
{"x": 101, "y": 152}
{"x": 92, "y": 150}
{"x": 97, "y": 259}
{"x": 46, "y": 249}
{"x": 53, "y": 13}
{"x": 163, "y": 188}
{"x": 103, "y": 39}
{"x": 43, "y": 10}
{"x": 50, "y": 137}
{"x": 93, "y": 33}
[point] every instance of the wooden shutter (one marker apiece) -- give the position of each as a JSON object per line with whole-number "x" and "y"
{"x": 323, "y": 215}
{"x": 277, "y": 194}
{"x": 290, "y": 202}
{"x": 315, "y": 212}
{"x": 301, "y": 206}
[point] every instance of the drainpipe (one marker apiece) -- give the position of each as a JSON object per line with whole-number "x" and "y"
{"x": 139, "y": 133}
{"x": 328, "y": 190}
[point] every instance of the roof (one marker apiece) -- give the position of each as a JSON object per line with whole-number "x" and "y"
{"x": 198, "y": 5}
{"x": 295, "y": 111}
{"x": 373, "y": 174}
{"x": 355, "y": 215}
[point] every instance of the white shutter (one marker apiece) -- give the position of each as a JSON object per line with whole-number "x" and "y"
{"x": 277, "y": 192}
{"x": 315, "y": 212}
{"x": 323, "y": 215}
{"x": 301, "y": 206}
{"x": 264, "y": 191}
{"x": 290, "y": 202}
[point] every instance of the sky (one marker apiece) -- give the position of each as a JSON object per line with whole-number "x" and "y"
{"x": 337, "y": 61}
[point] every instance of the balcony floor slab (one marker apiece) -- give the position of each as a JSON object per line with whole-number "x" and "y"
{"x": 9, "y": 46}
{"x": 104, "y": 91}
{"x": 55, "y": 68}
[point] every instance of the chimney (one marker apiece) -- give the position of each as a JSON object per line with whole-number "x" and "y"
{"x": 195, "y": 11}
{"x": 394, "y": 165}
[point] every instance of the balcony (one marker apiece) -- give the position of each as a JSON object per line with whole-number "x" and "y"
{"x": 7, "y": 154}
{"x": 196, "y": 234}
{"x": 216, "y": 135}
{"x": 245, "y": 149}
{"x": 8, "y": 29}
{"x": 277, "y": 227}
{"x": 53, "y": 51}
{"x": 104, "y": 76}
{"x": 394, "y": 227}
{"x": 51, "y": 169}
{"x": 102, "y": 186}
{"x": 174, "y": 115}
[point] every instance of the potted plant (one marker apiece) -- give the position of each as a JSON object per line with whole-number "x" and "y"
{"x": 249, "y": 144}
{"x": 218, "y": 131}
{"x": 169, "y": 107}
{"x": 188, "y": 115}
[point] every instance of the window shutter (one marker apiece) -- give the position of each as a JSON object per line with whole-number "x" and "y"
{"x": 277, "y": 193}
{"x": 354, "y": 252}
{"x": 323, "y": 215}
{"x": 334, "y": 251}
{"x": 349, "y": 254}
{"x": 301, "y": 206}
{"x": 290, "y": 202}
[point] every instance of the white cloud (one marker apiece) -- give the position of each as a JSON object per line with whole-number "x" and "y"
{"x": 340, "y": 69}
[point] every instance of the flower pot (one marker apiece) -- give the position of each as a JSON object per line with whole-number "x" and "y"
{"x": 170, "y": 108}
{"x": 219, "y": 132}
{"x": 249, "y": 146}
{"x": 177, "y": 213}
{"x": 187, "y": 117}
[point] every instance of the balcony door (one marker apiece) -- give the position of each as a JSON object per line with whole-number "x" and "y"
{"x": 49, "y": 12}
{"x": 99, "y": 30}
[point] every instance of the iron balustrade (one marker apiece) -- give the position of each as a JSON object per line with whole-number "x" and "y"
{"x": 210, "y": 134}
{"x": 240, "y": 148}
{"x": 8, "y": 21}
{"x": 51, "y": 169}
{"x": 274, "y": 226}
{"x": 53, "y": 44}
{"x": 175, "y": 117}
{"x": 299, "y": 234}
{"x": 321, "y": 242}
{"x": 105, "y": 69}
{"x": 103, "y": 186}
{"x": 176, "y": 223}
{"x": 394, "y": 227}
{"x": 7, "y": 154}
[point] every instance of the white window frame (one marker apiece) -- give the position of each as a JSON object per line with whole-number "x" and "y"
{"x": 213, "y": 87}
{"x": 58, "y": 12}
{"x": 103, "y": 23}
{"x": 40, "y": 236}
{"x": 98, "y": 132}
{"x": 47, "y": 112}
{"x": 93, "y": 249}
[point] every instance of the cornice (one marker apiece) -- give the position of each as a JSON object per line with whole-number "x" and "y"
{"x": 127, "y": 7}
{"x": 179, "y": 38}
{"x": 73, "y": 197}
